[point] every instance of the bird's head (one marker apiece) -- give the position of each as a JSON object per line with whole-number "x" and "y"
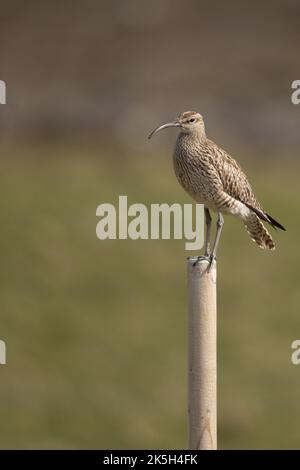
{"x": 189, "y": 122}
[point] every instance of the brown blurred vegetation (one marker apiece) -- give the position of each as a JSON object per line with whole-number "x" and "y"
{"x": 112, "y": 70}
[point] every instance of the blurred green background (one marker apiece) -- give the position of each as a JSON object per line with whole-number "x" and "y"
{"x": 96, "y": 330}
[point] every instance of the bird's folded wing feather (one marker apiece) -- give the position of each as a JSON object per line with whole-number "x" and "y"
{"x": 234, "y": 181}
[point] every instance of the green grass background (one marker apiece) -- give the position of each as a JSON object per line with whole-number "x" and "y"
{"x": 96, "y": 331}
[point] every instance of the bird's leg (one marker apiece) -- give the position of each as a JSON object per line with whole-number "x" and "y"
{"x": 213, "y": 255}
{"x": 207, "y": 232}
{"x": 207, "y": 237}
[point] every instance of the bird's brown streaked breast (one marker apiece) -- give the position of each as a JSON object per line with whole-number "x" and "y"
{"x": 190, "y": 171}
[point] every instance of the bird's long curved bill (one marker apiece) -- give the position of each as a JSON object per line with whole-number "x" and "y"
{"x": 164, "y": 126}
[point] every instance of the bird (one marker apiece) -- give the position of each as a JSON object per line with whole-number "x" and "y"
{"x": 213, "y": 178}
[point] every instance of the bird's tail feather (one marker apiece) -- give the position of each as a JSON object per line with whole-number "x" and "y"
{"x": 264, "y": 216}
{"x": 258, "y": 232}
{"x": 274, "y": 223}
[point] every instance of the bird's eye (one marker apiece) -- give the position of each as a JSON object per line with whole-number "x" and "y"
{"x": 192, "y": 120}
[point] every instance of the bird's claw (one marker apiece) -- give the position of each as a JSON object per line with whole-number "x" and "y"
{"x": 210, "y": 258}
{"x": 199, "y": 258}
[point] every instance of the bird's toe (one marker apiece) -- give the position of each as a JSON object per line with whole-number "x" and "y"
{"x": 200, "y": 258}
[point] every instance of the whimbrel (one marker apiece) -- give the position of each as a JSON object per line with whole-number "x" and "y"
{"x": 213, "y": 178}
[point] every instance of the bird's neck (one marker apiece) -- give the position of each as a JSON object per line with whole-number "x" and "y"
{"x": 198, "y": 136}
{"x": 188, "y": 145}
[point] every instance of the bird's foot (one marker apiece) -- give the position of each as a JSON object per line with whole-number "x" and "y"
{"x": 200, "y": 258}
{"x": 212, "y": 258}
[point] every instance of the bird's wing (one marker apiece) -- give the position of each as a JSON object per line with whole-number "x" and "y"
{"x": 234, "y": 181}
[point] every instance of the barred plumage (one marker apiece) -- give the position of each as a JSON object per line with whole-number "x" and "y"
{"x": 213, "y": 178}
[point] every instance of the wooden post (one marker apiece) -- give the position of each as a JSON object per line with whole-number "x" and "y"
{"x": 202, "y": 355}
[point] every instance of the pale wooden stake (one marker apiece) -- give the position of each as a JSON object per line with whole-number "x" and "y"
{"x": 202, "y": 355}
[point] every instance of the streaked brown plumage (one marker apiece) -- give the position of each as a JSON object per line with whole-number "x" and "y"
{"x": 213, "y": 178}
